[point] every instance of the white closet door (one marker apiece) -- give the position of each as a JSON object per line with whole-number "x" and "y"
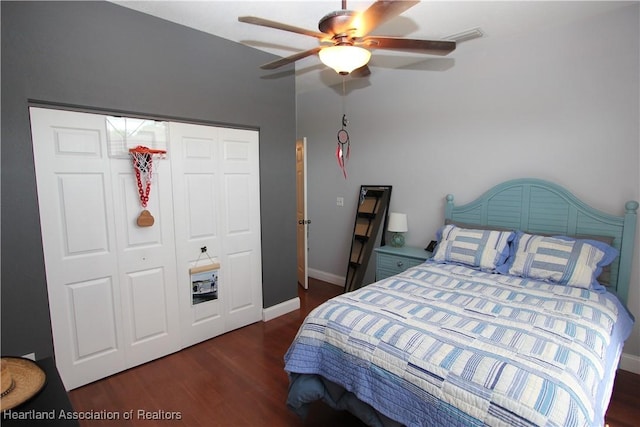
{"x": 146, "y": 263}
{"x": 111, "y": 284}
{"x": 242, "y": 260}
{"x": 196, "y": 187}
{"x": 80, "y": 249}
{"x": 120, "y": 294}
{"x": 217, "y": 206}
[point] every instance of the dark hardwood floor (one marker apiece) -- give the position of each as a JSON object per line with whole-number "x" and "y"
{"x": 237, "y": 379}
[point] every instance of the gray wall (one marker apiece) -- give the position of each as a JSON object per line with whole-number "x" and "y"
{"x": 103, "y": 56}
{"x": 560, "y": 103}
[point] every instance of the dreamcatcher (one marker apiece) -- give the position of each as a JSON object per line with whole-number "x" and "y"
{"x": 344, "y": 145}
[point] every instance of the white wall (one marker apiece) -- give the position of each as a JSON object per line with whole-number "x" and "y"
{"x": 559, "y": 104}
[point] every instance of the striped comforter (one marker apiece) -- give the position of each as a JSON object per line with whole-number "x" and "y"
{"x": 445, "y": 345}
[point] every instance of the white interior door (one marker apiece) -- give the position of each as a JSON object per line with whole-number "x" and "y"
{"x": 302, "y": 228}
{"x": 110, "y": 284}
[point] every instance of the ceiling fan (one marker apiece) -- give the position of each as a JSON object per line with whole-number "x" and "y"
{"x": 344, "y": 37}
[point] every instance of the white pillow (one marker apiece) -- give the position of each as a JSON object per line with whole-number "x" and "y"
{"x": 561, "y": 260}
{"x": 483, "y": 249}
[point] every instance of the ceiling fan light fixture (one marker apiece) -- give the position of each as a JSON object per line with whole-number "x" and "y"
{"x": 344, "y": 58}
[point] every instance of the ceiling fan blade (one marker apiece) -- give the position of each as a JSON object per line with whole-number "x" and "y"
{"x": 280, "y": 26}
{"x": 363, "y": 71}
{"x": 379, "y": 12}
{"x": 432, "y": 47}
{"x": 289, "y": 59}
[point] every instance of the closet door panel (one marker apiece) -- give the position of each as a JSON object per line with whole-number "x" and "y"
{"x": 146, "y": 258}
{"x": 94, "y": 326}
{"x": 241, "y": 229}
{"x": 148, "y": 306}
{"x": 238, "y": 206}
{"x": 84, "y": 228}
{"x": 195, "y": 169}
{"x": 80, "y": 250}
{"x": 201, "y": 201}
{"x": 240, "y": 269}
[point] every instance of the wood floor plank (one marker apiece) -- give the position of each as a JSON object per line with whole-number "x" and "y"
{"x": 238, "y": 379}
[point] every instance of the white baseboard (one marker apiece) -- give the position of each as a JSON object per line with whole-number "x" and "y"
{"x": 293, "y": 304}
{"x": 326, "y": 277}
{"x": 281, "y": 309}
{"x": 630, "y": 362}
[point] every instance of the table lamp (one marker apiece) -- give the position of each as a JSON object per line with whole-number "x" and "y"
{"x": 397, "y": 225}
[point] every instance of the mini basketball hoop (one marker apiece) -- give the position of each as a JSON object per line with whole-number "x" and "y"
{"x": 143, "y": 166}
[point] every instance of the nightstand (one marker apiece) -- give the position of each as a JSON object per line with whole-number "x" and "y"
{"x": 50, "y": 407}
{"x": 391, "y": 260}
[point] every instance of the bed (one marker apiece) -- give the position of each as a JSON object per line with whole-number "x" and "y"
{"x": 518, "y": 319}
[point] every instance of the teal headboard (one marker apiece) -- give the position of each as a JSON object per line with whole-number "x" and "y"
{"x": 538, "y": 206}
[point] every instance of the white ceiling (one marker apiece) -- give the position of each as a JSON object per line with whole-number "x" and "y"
{"x": 431, "y": 20}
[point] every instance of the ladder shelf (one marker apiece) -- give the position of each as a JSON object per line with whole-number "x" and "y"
{"x": 372, "y": 212}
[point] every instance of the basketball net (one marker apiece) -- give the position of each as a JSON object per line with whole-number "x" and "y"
{"x": 142, "y": 158}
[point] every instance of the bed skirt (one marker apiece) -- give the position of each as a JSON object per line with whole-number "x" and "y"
{"x": 304, "y": 389}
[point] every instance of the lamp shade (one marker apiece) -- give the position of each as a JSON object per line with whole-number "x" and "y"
{"x": 344, "y": 58}
{"x": 397, "y": 223}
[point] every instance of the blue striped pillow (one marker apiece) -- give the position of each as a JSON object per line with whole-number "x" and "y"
{"x": 482, "y": 249}
{"x": 561, "y": 260}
